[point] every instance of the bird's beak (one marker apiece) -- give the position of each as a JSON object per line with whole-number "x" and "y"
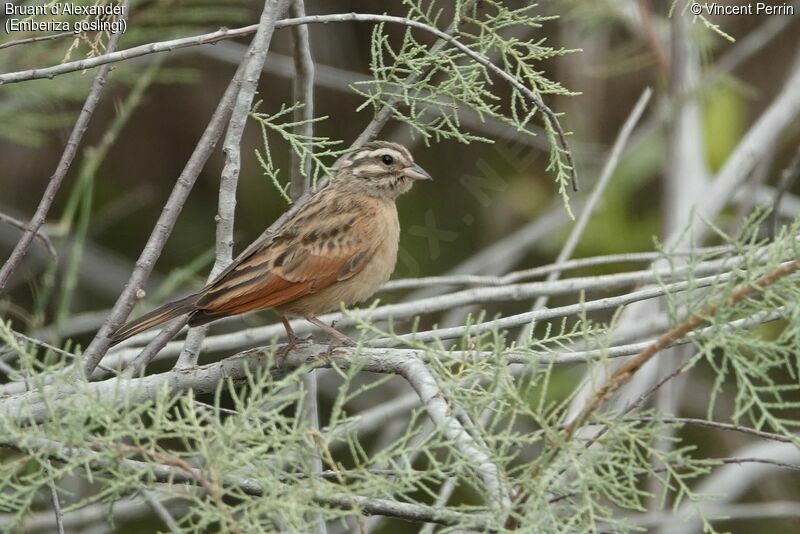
{"x": 415, "y": 172}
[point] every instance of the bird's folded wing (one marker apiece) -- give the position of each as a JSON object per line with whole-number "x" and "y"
{"x": 291, "y": 265}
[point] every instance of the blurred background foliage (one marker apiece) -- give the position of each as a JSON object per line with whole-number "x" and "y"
{"x": 155, "y": 109}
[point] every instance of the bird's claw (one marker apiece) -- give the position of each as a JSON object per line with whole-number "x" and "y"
{"x": 293, "y": 342}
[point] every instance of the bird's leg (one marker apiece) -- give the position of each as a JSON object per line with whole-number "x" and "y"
{"x": 331, "y": 331}
{"x": 293, "y": 339}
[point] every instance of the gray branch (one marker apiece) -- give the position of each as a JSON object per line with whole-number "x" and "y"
{"x": 440, "y": 411}
{"x": 302, "y": 91}
{"x": 22, "y": 405}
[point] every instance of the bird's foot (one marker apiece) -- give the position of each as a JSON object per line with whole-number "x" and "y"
{"x": 293, "y": 342}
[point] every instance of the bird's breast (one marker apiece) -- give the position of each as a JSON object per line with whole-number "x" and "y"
{"x": 380, "y": 266}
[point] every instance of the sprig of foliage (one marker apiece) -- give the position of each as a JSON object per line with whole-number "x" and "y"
{"x": 451, "y": 82}
{"x": 320, "y": 150}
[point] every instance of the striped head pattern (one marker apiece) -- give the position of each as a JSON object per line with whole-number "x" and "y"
{"x": 380, "y": 169}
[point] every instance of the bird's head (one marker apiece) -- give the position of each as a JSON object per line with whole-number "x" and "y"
{"x": 380, "y": 169}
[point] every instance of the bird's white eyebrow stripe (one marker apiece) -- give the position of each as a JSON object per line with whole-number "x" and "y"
{"x": 372, "y": 168}
{"x": 383, "y": 150}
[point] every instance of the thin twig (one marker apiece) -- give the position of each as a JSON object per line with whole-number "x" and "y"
{"x": 716, "y": 425}
{"x": 736, "y": 479}
{"x": 161, "y": 511}
{"x": 58, "y": 514}
{"x": 64, "y": 163}
{"x": 731, "y": 460}
{"x": 715, "y": 513}
{"x": 92, "y": 514}
{"x": 8, "y": 219}
{"x": 154, "y": 347}
{"x": 788, "y": 178}
{"x": 651, "y": 37}
{"x": 302, "y": 91}
{"x": 521, "y": 319}
{"x": 517, "y": 276}
{"x": 29, "y": 40}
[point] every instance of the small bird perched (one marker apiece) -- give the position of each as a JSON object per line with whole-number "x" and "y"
{"x": 339, "y": 248}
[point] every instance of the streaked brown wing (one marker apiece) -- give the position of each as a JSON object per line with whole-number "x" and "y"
{"x": 292, "y": 264}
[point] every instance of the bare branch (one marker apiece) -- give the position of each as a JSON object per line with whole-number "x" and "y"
{"x": 440, "y": 411}
{"x": 716, "y": 425}
{"x": 376, "y": 360}
{"x": 302, "y": 91}
{"x": 57, "y": 513}
{"x": 48, "y": 245}
{"x": 29, "y": 40}
{"x": 517, "y": 276}
{"x": 490, "y": 294}
{"x": 788, "y": 177}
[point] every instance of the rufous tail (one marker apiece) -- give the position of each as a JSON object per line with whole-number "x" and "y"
{"x": 159, "y": 316}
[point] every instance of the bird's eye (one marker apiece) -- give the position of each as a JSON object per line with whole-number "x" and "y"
{"x": 387, "y": 159}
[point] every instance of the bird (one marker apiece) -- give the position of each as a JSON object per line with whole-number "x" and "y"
{"x": 337, "y": 249}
